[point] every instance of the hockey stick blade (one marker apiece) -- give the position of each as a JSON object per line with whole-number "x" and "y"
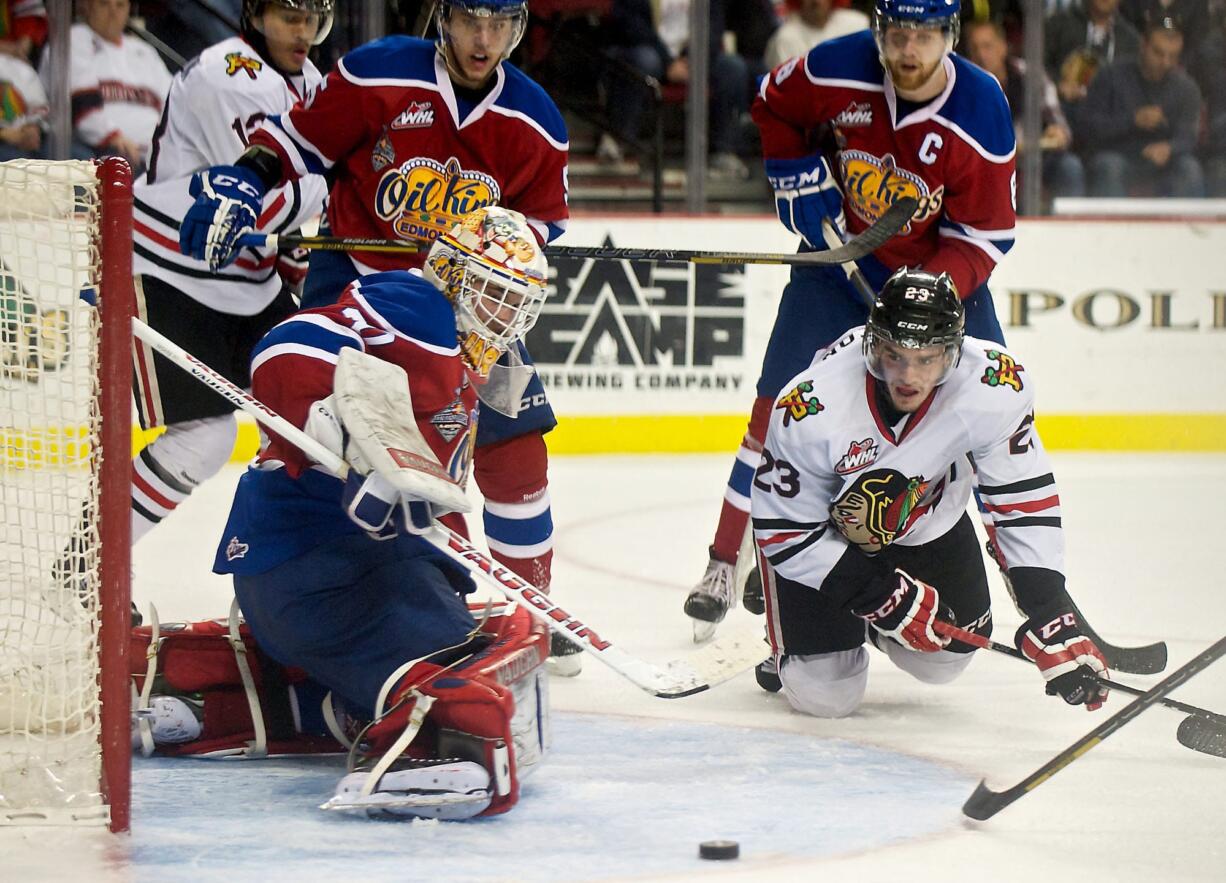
{"x": 985, "y": 803}
{"x": 1149, "y": 659}
{"x": 701, "y": 670}
{"x": 1200, "y": 734}
{"x": 891, "y": 222}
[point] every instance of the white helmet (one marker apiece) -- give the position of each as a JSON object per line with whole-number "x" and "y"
{"x": 491, "y": 268}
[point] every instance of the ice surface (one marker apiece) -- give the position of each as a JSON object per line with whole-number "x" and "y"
{"x": 634, "y": 782}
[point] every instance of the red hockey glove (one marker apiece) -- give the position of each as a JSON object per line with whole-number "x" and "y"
{"x": 907, "y": 614}
{"x": 1067, "y": 658}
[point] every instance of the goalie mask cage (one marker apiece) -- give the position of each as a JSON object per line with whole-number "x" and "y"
{"x": 65, "y": 460}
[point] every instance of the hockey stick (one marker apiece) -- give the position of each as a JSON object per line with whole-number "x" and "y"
{"x": 890, "y": 223}
{"x": 694, "y": 673}
{"x": 1148, "y": 659}
{"x": 1205, "y": 732}
{"x": 985, "y": 802}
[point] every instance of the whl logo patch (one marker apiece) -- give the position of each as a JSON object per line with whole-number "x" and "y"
{"x": 235, "y": 549}
{"x": 855, "y": 114}
{"x": 859, "y": 454}
{"x": 417, "y": 115}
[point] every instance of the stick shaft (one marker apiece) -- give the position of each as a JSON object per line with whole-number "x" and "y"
{"x": 891, "y": 222}
{"x": 985, "y": 803}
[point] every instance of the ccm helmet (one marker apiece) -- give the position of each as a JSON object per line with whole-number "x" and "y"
{"x": 943, "y": 14}
{"x": 916, "y": 310}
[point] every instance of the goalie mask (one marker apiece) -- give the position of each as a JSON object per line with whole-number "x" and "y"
{"x": 253, "y": 9}
{"x": 493, "y": 271}
{"x": 916, "y": 310}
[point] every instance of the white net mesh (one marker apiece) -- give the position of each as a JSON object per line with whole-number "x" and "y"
{"x": 50, "y": 761}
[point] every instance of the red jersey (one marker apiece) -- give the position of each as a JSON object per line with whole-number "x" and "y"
{"x": 954, "y": 154}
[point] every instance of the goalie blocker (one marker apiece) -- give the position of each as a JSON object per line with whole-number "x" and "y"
{"x": 457, "y": 734}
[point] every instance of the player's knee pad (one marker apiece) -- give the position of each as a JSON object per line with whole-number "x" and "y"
{"x": 247, "y": 704}
{"x": 491, "y": 708}
{"x": 940, "y": 667}
{"x": 825, "y": 684}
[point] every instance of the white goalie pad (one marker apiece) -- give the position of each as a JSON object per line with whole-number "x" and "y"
{"x": 375, "y": 406}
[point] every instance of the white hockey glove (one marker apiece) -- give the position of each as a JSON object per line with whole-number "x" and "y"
{"x": 228, "y": 203}
{"x": 908, "y": 612}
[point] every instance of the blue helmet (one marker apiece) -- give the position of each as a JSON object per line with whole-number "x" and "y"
{"x": 516, "y": 10}
{"x": 943, "y": 14}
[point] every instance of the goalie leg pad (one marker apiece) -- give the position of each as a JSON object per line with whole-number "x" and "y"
{"x": 491, "y": 709}
{"x": 449, "y": 789}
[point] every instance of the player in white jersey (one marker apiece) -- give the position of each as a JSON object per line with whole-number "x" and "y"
{"x": 859, "y": 508}
{"x": 213, "y": 104}
{"x": 118, "y": 83}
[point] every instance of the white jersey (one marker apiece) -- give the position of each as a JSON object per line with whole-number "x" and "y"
{"x": 22, "y": 97}
{"x": 215, "y": 102}
{"x": 834, "y": 474}
{"x": 117, "y": 88}
{"x": 794, "y": 37}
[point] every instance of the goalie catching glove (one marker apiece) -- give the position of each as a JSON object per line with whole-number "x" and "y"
{"x": 908, "y": 612}
{"x": 1067, "y": 658}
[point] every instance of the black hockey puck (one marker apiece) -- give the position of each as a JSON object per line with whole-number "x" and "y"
{"x": 719, "y": 850}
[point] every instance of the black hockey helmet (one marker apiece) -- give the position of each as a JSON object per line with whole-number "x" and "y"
{"x": 253, "y": 9}
{"x": 914, "y": 310}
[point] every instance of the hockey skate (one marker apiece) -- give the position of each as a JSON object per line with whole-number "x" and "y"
{"x": 171, "y": 720}
{"x": 766, "y": 673}
{"x": 433, "y": 788}
{"x": 709, "y": 601}
{"x": 565, "y": 658}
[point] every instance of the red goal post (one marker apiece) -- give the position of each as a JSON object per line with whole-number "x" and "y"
{"x": 65, "y": 462}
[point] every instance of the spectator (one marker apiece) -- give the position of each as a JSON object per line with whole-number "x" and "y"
{"x": 811, "y": 22}
{"x": 1081, "y": 40}
{"x": 986, "y": 45}
{"x": 752, "y": 23}
{"x": 657, "y": 48}
{"x": 23, "y": 28}
{"x": 118, "y": 84}
{"x": 1212, "y": 80}
{"x": 1141, "y": 120}
{"x": 23, "y": 110}
{"x": 1190, "y": 16}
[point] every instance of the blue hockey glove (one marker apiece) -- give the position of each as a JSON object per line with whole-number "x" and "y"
{"x": 228, "y": 202}
{"x": 805, "y": 194}
{"x": 374, "y": 505}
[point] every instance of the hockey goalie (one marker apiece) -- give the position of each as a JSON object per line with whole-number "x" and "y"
{"x": 356, "y": 633}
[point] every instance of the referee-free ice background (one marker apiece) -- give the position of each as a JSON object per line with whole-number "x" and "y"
{"x": 634, "y": 783}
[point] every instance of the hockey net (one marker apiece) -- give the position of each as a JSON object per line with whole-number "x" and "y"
{"x": 65, "y": 453}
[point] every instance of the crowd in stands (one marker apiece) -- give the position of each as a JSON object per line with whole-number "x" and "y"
{"x": 1134, "y": 98}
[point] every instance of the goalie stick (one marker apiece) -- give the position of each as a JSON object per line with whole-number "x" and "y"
{"x": 693, "y": 673}
{"x": 1203, "y": 730}
{"x": 985, "y": 802}
{"x": 891, "y": 222}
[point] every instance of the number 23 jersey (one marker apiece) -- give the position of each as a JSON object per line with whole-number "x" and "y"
{"x": 835, "y": 474}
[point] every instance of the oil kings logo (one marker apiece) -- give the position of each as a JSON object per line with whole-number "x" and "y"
{"x": 859, "y": 454}
{"x": 874, "y": 183}
{"x": 423, "y": 198}
{"x": 632, "y": 325}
